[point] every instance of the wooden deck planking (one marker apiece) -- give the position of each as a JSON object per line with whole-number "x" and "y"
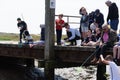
{"x": 72, "y": 54}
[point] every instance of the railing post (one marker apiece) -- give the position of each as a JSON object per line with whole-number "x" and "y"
{"x": 67, "y": 19}
{"x": 49, "y": 39}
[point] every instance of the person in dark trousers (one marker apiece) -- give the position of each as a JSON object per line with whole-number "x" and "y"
{"x": 22, "y": 27}
{"x": 72, "y": 35}
{"x": 42, "y": 34}
{"x": 113, "y": 15}
{"x": 108, "y": 38}
{"x": 59, "y": 25}
{"x": 42, "y": 37}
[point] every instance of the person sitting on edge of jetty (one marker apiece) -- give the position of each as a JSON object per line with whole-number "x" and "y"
{"x": 114, "y": 69}
{"x": 42, "y": 37}
{"x": 90, "y": 38}
{"x": 28, "y": 38}
{"x": 97, "y": 37}
{"x": 108, "y": 38}
{"x": 116, "y": 49}
{"x": 72, "y": 34}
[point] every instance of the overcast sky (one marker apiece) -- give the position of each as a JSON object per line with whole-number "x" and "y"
{"x": 33, "y": 12}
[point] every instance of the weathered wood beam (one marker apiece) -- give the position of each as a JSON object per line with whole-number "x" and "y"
{"x": 49, "y": 39}
{"x": 63, "y": 54}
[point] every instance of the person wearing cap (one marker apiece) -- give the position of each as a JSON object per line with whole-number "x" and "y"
{"x": 22, "y": 27}
{"x": 108, "y": 38}
{"x": 113, "y": 15}
{"x": 99, "y": 18}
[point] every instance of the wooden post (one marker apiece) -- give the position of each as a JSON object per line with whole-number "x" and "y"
{"x": 101, "y": 70}
{"x": 49, "y": 39}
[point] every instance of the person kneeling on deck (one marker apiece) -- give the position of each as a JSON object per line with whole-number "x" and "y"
{"x": 108, "y": 38}
{"x": 72, "y": 34}
{"x": 114, "y": 69}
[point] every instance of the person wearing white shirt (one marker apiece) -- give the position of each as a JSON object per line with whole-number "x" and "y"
{"x": 72, "y": 34}
{"x": 114, "y": 69}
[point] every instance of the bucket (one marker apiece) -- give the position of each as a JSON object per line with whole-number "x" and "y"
{"x": 78, "y": 42}
{"x": 63, "y": 42}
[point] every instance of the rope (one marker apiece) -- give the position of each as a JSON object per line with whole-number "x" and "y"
{"x": 89, "y": 57}
{"x": 80, "y": 69}
{"x": 92, "y": 53}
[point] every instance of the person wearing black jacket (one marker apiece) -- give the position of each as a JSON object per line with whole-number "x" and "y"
{"x": 113, "y": 15}
{"x": 99, "y": 18}
{"x": 22, "y": 27}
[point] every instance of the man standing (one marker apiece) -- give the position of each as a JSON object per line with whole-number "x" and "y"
{"x": 113, "y": 15}
{"x": 22, "y": 27}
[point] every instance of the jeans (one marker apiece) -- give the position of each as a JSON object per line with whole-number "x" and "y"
{"x": 114, "y": 24}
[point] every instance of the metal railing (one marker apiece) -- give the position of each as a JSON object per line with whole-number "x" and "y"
{"x": 68, "y": 17}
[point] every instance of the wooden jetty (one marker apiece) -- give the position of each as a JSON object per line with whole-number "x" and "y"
{"x": 75, "y": 54}
{"x": 51, "y": 56}
{"x": 65, "y": 56}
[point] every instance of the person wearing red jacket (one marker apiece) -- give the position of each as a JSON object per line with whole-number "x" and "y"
{"x": 59, "y": 25}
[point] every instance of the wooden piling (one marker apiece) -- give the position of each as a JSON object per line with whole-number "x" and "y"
{"x": 49, "y": 39}
{"x": 101, "y": 71}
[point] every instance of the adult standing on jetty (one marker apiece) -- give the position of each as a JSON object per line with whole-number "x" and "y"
{"x": 113, "y": 15}
{"x": 22, "y": 27}
{"x": 59, "y": 25}
{"x": 84, "y": 22}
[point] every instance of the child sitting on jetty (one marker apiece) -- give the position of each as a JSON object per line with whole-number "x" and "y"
{"x": 28, "y": 38}
{"x": 42, "y": 39}
{"x": 89, "y": 39}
